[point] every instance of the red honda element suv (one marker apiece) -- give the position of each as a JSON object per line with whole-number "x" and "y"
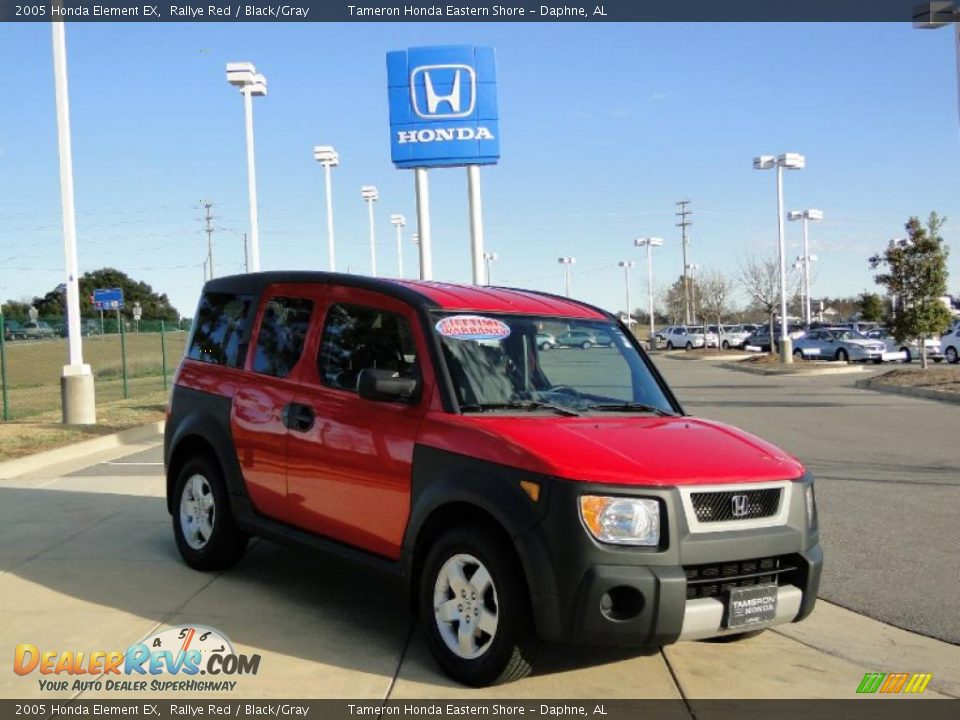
{"x": 523, "y": 490}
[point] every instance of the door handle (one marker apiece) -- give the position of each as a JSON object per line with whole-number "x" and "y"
{"x": 297, "y": 416}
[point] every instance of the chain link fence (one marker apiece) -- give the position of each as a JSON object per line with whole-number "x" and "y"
{"x": 129, "y": 359}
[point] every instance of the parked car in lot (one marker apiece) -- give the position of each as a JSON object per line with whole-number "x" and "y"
{"x": 731, "y": 336}
{"x": 688, "y": 337}
{"x": 584, "y": 339}
{"x": 546, "y": 341}
{"x": 39, "y": 330}
{"x": 950, "y": 344}
{"x": 839, "y": 343}
{"x": 910, "y": 348}
{"x": 12, "y": 330}
{"x": 417, "y": 428}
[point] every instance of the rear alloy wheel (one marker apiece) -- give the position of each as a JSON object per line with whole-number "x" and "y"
{"x": 842, "y": 355}
{"x": 951, "y": 355}
{"x": 474, "y": 605}
{"x": 203, "y": 525}
{"x": 906, "y": 352}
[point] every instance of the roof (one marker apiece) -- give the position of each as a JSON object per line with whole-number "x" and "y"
{"x": 433, "y": 295}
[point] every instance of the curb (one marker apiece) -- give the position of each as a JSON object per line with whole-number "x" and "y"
{"x": 776, "y": 370}
{"x": 924, "y": 393}
{"x": 41, "y": 460}
{"x": 693, "y": 356}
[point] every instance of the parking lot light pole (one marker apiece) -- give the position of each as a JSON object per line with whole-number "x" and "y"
{"x": 399, "y": 221}
{"x": 77, "y": 398}
{"x": 370, "y": 195}
{"x": 807, "y": 258}
{"x": 244, "y": 76}
{"x": 328, "y": 158}
{"x": 566, "y": 262}
{"x": 489, "y": 258}
{"x": 649, "y": 243}
{"x": 626, "y": 265}
{"x": 788, "y": 161}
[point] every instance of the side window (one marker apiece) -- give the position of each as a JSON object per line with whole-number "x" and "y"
{"x": 220, "y": 328}
{"x": 282, "y": 332}
{"x": 360, "y": 338}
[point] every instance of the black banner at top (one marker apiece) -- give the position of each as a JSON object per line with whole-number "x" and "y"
{"x": 473, "y": 11}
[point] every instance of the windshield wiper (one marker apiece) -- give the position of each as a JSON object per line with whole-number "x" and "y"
{"x": 630, "y": 407}
{"x": 519, "y": 405}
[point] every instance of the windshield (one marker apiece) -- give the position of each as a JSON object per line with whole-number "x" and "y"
{"x": 502, "y": 363}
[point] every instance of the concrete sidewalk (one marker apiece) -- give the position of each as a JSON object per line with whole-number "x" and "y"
{"x": 87, "y": 563}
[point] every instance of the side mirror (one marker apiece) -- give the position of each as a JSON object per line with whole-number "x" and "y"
{"x": 386, "y": 386}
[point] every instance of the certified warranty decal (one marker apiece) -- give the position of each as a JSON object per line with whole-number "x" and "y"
{"x": 191, "y": 658}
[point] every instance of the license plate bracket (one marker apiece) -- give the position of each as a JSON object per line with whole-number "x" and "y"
{"x": 752, "y": 605}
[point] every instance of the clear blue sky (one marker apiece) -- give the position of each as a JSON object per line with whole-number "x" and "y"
{"x": 603, "y": 127}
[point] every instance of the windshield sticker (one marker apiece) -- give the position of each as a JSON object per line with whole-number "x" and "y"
{"x": 472, "y": 327}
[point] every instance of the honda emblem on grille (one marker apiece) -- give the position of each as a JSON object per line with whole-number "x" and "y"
{"x": 739, "y": 505}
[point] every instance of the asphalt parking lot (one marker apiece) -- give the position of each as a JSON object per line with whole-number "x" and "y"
{"x": 87, "y": 562}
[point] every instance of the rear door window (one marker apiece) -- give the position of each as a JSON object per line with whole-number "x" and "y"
{"x": 283, "y": 331}
{"x": 220, "y": 329}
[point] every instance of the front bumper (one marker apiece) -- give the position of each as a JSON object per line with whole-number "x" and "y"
{"x": 587, "y": 592}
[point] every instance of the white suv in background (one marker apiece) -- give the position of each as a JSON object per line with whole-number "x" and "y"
{"x": 688, "y": 337}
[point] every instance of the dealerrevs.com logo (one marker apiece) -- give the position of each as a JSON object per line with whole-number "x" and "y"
{"x": 169, "y": 660}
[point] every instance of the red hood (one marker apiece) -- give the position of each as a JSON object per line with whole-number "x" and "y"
{"x": 627, "y": 450}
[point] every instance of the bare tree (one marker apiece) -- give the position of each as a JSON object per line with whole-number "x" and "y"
{"x": 761, "y": 279}
{"x": 715, "y": 292}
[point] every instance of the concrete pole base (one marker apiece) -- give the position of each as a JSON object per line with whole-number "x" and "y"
{"x": 77, "y": 395}
{"x": 786, "y": 351}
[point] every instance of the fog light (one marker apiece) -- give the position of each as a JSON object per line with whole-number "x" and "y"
{"x": 621, "y": 603}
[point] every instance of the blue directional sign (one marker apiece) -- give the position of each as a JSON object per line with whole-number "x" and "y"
{"x": 108, "y": 299}
{"x": 443, "y": 106}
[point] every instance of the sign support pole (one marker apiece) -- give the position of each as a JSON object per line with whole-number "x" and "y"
{"x": 423, "y": 222}
{"x": 476, "y": 224}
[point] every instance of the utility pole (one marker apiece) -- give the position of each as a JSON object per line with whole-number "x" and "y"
{"x": 682, "y": 213}
{"x": 208, "y": 206}
{"x": 246, "y": 255}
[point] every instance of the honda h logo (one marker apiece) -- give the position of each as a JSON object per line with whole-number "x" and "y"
{"x": 443, "y": 91}
{"x": 740, "y": 505}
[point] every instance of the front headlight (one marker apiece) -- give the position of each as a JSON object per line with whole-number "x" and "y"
{"x": 811, "y": 506}
{"x": 621, "y": 520}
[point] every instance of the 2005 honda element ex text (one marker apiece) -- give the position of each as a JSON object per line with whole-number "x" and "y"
{"x": 522, "y": 490}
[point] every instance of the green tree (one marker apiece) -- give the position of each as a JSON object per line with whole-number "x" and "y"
{"x": 155, "y": 306}
{"x": 914, "y": 270}
{"x": 871, "y": 307}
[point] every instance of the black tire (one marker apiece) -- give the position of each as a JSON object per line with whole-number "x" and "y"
{"x": 842, "y": 355}
{"x": 726, "y": 345}
{"x": 798, "y": 354}
{"x": 906, "y": 351}
{"x": 689, "y": 345}
{"x": 669, "y": 345}
{"x": 951, "y": 354}
{"x": 508, "y": 654}
{"x": 586, "y": 344}
{"x": 544, "y": 346}
{"x": 225, "y": 544}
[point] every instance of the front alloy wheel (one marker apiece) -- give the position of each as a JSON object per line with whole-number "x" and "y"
{"x": 198, "y": 512}
{"x": 475, "y": 608}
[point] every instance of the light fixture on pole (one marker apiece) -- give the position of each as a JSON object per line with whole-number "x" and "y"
{"x": 788, "y": 161}
{"x": 692, "y": 273}
{"x": 649, "y": 243}
{"x": 370, "y": 196}
{"x": 626, "y": 265}
{"x": 328, "y": 158}
{"x": 76, "y": 380}
{"x": 399, "y": 221}
{"x": 566, "y": 262}
{"x": 490, "y": 258}
{"x": 807, "y": 258}
{"x": 937, "y": 14}
{"x": 244, "y": 76}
